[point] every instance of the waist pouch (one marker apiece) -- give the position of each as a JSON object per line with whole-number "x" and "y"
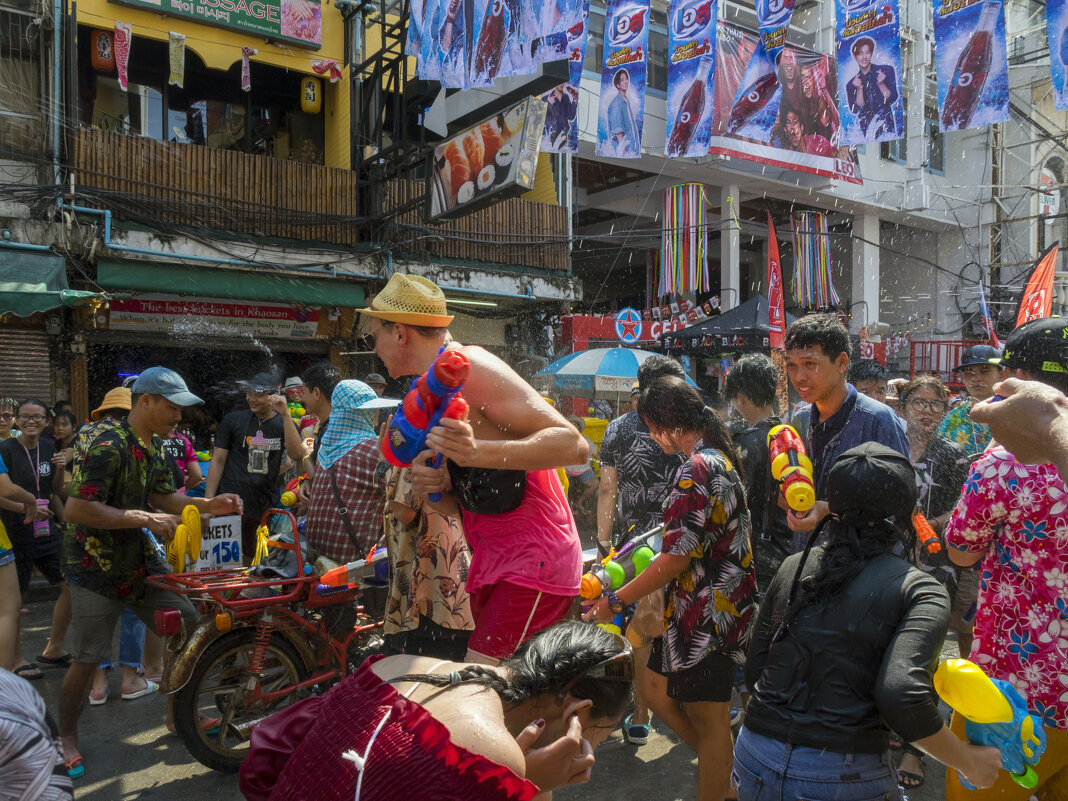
{"x": 487, "y": 491}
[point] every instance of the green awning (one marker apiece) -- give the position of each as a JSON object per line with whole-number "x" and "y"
{"x": 228, "y": 283}
{"x": 35, "y": 281}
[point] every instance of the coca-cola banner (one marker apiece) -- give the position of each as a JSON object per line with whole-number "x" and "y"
{"x": 691, "y": 73}
{"x": 621, "y": 109}
{"x": 756, "y": 100}
{"x": 561, "y": 119}
{"x": 869, "y": 71}
{"x": 1057, "y": 35}
{"x": 805, "y": 131}
{"x": 498, "y": 46}
{"x": 972, "y": 63}
{"x": 549, "y": 20}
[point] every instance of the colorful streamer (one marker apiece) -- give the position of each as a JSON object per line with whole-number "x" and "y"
{"x": 684, "y": 265}
{"x": 621, "y": 109}
{"x": 813, "y": 288}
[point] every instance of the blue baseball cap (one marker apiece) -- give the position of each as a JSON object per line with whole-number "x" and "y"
{"x": 164, "y": 381}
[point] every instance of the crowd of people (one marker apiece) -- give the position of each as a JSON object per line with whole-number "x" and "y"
{"x": 824, "y": 626}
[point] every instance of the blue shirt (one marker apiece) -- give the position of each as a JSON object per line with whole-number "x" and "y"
{"x": 3, "y": 467}
{"x": 621, "y": 121}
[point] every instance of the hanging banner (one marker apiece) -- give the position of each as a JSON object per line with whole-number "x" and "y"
{"x": 869, "y": 71}
{"x": 176, "y": 59}
{"x": 622, "y": 104}
{"x": 292, "y": 22}
{"x": 123, "y": 35}
{"x": 806, "y": 133}
{"x": 540, "y": 20}
{"x": 776, "y": 317}
{"x": 1037, "y": 299}
{"x": 691, "y": 72}
{"x": 246, "y": 67}
{"x": 813, "y": 287}
{"x": 428, "y": 64}
{"x": 1057, "y": 36}
{"x": 497, "y": 50}
{"x": 757, "y": 99}
{"x": 682, "y": 242}
{"x": 561, "y": 119}
{"x": 986, "y": 319}
{"x": 972, "y": 63}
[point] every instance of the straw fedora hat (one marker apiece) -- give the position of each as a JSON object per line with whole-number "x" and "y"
{"x": 412, "y": 300}
{"x": 117, "y": 398}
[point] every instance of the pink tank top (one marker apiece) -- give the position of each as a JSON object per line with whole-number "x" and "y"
{"x": 535, "y": 545}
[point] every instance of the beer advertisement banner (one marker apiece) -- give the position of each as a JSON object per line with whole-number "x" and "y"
{"x": 869, "y": 71}
{"x": 498, "y": 49}
{"x": 621, "y": 108}
{"x": 1057, "y": 35}
{"x": 805, "y": 133}
{"x": 561, "y": 119}
{"x": 971, "y": 62}
{"x": 691, "y": 72}
{"x": 756, "y": 101}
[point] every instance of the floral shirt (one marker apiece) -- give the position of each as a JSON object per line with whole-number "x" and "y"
{"x": 428, "y": 561}
{"x": 958, "y": 427}
{"x": 119, "y": 471}
{"x": 1018, "y": 515}
{"x": 711, "y": 602}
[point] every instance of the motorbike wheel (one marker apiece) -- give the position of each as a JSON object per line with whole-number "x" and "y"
{"x": 216, "y": 688}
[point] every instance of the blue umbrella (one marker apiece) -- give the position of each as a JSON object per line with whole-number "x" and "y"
{"x": 598, "y": 372}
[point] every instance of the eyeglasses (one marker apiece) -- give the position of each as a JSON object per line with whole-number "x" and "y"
{"x": 919, "y": 405}
{"x": 32, "y": 418}
{"x": 368, "y": 340}
{"x": 618, "y": 667}
{"x": 6, "y": 416}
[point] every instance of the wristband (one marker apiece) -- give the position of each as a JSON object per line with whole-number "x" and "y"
{"x": 615, "y": 606}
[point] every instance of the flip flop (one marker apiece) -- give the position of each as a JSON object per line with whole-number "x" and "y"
{"x": 99, "y": 701}
{"x": 207, "y": 725}
{"x": 63, "y": 661}
{"x": 75, "y": 768}
{"x": 910, "y": 781}
{"x": 148, "y": 690}
{"x": 21, "y": 669}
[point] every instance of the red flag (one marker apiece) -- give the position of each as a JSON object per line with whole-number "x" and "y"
{"x": 776, "y": 319}
{"x": 1037, "y": 299}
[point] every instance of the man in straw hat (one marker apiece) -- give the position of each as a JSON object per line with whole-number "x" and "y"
{"x": 499, "y": 471}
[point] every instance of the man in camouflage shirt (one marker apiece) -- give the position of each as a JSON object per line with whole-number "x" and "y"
{"x": 105, "y": 550}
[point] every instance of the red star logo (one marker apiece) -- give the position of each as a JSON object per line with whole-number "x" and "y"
{"x": 628, "y": 325}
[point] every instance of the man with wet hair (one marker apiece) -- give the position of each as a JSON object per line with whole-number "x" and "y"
{"x": 870, "y": 378}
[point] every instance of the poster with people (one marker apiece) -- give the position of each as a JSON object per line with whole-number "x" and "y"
{"x": 621, "y": 108}
{"x": 691, "y": 73}
{"x": 755, "y": 104}
{"x": 869, "y": 71}
{"x": 805, "y": 131}
{"x": 561, "y": 119}
{"x": 971, "y": 61}
{"x": 1057, "y": 35}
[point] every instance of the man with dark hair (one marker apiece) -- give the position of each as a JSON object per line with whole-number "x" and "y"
{"x": 838, "y": 417}
{"x": 872, "y": 92}
{"x": 1012, "y": 517}
{"x": 636, "y": 473}
{"x": 320, "y": 380}
{"x": 247, "y": 459}
{"x": 869, "y": 377}
{"x": 750, "y": 387}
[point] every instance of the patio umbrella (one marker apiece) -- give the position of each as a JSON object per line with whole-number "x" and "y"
{"x": 598, "y": 373}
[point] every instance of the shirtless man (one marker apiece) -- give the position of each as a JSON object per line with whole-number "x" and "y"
{"x": 526, "y": 559}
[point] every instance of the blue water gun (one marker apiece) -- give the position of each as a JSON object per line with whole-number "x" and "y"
{"x": 996, "y": 715}
{"x": 434, "y": 395}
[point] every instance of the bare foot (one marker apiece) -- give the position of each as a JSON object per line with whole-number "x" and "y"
{"x": 70, "y": 749}
{"x": 99, "y": 690}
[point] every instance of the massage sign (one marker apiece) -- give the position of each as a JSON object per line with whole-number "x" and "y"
{"x": 297, "y": 22}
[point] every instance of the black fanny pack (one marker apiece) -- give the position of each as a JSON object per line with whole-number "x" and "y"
{"x": 487, "y": 491}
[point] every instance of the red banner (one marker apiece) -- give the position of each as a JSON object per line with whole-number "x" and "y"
{"x": 1037, "y": 299}
{"x": 776, "y": 318}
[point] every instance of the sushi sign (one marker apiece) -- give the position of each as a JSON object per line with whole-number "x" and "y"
{"x": 296, "y": 22}
{"x": 479, "y": 166}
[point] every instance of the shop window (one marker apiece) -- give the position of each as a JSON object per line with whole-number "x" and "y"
{"x": 896, "y": 151}
{"x": 138, "y": 111}
{"x": 21, "y": 128}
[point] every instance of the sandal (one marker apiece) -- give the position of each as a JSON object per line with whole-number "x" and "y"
{"x": 62, "y": 661}
{"x": 75, "y": 768}
{"x": 909, "y": 780}
{"x": 94, "y": 701}
{"x": 21, "y": 670}
{"x": 635, "y": 733}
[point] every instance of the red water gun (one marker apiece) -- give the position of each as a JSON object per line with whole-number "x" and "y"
{"x": 790, "y": 466}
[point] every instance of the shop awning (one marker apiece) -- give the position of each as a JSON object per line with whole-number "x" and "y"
{"x": 231, "y": 284}
{"x": 35, "y": 281}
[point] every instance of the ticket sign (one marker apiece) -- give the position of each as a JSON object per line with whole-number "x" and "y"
{"x": 220, "y": 544}
{"x": 298, "y": 22}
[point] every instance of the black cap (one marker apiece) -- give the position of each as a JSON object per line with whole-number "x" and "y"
{"x": 1040, "y": 346}
{"x": 873, "y": 482}
{"x": 261, "y": 382}
{"x": 979, "y": 354}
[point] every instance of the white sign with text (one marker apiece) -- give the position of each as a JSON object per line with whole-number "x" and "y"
{"x": 220, "y": 544}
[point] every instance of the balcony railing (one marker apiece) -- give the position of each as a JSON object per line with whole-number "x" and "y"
{"x": 180, "y": 184}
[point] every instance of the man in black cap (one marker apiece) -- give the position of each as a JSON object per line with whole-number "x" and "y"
{"x": 1012, "y": 518}
{"x": 248, "y": 456}
{"x": 980, "y": 368}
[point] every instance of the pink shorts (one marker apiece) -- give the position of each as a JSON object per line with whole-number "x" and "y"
{"x": 506, "y": 615}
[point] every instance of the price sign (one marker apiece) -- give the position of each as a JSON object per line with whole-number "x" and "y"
{"x": 220, "y": 544}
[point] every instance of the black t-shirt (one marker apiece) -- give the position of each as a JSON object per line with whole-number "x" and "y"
{"x": 235, "y": 433}
{"x": 21, "y": 471}
{"x": 174, "y": 452}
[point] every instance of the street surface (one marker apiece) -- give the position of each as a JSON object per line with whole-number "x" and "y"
{"x": 130, "y": 755}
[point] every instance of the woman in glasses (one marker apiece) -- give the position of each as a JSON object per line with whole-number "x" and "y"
{"x": 706, "y": 564}
{"x": 844, "y": 649}
{"x": 415, "y": 727}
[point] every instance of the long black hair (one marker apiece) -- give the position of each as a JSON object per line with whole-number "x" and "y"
{"x": 547, "y": 663}
{"x": 670, "y": 403}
